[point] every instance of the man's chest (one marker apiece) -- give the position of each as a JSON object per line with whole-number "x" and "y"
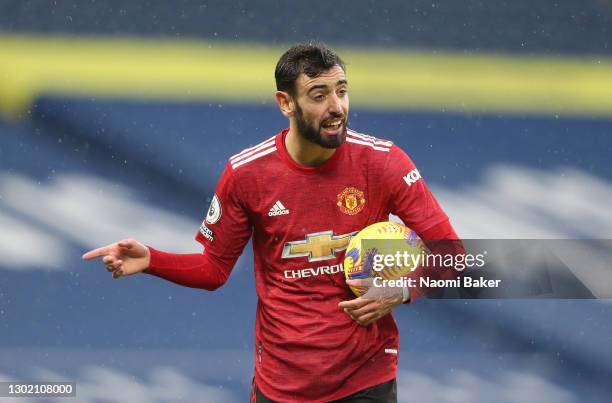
{"x": 314, "y": 216}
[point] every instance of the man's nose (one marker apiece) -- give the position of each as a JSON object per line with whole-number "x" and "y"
{"x": 335, "y": 105}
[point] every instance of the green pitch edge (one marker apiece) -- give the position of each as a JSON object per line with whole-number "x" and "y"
{"x": 239, "y": 72}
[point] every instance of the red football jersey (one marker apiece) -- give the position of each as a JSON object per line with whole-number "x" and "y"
{"x": 301, "y": 219}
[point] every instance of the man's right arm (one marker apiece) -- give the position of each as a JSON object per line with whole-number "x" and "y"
{"x": 223, "y": 234}
{"x": 196, "y": 270}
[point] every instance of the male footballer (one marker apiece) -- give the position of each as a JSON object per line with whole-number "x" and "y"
{"x": 301, "y": 195}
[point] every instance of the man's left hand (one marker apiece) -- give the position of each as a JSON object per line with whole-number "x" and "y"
{"x": 374, "y": 304}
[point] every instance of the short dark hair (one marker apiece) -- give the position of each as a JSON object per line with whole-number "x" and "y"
{"x": 309, "y": 58}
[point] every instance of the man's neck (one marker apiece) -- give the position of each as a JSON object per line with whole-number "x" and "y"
{"x": 305, "y": 152}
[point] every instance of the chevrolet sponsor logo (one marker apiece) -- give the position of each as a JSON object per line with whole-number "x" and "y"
{"x": 318, "y": 246}
{"x": 314, "y": 271}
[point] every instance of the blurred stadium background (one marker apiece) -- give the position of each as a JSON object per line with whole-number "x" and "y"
{"x": 117, "y": 118}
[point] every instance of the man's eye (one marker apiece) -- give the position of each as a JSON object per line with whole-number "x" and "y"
{"x": 342, "y": 91}
{"x": 319, "y": 97}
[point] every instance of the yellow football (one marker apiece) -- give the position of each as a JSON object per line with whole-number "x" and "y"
{"x": 387, "y": 249}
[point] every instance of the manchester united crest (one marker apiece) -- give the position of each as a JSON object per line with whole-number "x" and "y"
{"x": 351, "y": 200}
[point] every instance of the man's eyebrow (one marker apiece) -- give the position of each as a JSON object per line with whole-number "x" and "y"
{"x": 323, "y": 86}
{"x": 316, "y": 87}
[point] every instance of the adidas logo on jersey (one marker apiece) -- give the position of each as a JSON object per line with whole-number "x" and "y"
{"x": 278, "y": 209}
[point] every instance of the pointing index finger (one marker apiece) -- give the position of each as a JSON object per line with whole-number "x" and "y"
{"x": 96, "y": 253}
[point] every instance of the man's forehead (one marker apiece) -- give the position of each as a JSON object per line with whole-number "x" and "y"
{"x": 328, "y": 77}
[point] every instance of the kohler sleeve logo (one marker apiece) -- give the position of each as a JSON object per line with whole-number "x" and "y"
{"x": 412, "y": 176}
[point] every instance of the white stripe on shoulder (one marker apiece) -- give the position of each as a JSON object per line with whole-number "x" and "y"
{"x": 366, "y": 143}
{"x": 253, "y": 157}
{"x": 251, "y": 149}
{"x": 256, "y": 150}
{"x": 371, "y": 139}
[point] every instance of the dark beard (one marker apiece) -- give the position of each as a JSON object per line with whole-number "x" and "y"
{"x": 312, "y": 134}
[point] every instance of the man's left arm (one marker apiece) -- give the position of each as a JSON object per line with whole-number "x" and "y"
{"x": 409, "y": 198}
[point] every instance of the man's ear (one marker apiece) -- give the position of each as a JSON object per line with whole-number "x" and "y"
{"x": 285, "y": 103}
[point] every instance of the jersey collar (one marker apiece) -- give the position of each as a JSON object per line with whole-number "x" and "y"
{"x": 284, "y": 154}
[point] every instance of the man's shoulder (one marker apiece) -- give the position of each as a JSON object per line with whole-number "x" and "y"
{"x": 368, "y": 146}
{"x": 253, "y": 155}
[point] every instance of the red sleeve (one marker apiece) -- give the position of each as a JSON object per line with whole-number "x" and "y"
{"x": 223, "y": 234}
{"x": 443, "y": 230}
{"x": 197, "y": 270}
{"x": 409, "y": 197}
